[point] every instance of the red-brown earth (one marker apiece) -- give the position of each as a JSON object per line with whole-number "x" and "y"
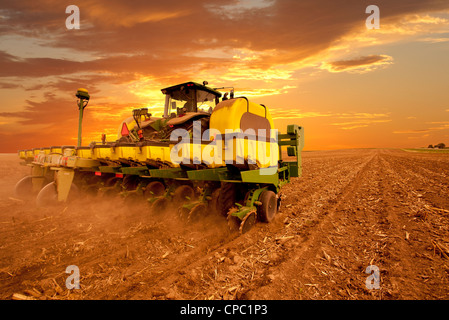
{"x": 350, "y": 209}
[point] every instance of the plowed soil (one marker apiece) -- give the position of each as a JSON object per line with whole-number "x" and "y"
{"x": 351, "y": 209}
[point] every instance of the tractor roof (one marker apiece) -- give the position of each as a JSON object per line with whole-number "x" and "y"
{"x": 191, "y": 84}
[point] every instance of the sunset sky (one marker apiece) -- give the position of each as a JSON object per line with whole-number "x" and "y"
{"x": 313, "y": 63}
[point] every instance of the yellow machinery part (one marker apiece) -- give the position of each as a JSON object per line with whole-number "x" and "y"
{"x": 38, "y": 177}
{"x": 190, "y": 153}
{"x": 125, "y": 152}
{"x": 29, "y": 154}
{"x": 228, "y": 114}
{"x": 241, "y": 114}
{"x": 130, "y": 123}
{"x": 85, "y": 153}
{"x": 155, "y": 153}
{"x": 102, "y": 152}
{"x": 64, "y": 178}
{"x": 56, "y": 149}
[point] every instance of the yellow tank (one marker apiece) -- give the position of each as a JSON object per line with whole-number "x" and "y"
{"x": 253, "y": 144}
{"x": 234, "y": 138}
{"x": 102, "y": 152}
{"x": 240, "y": 113}
{"x": 155, "y": 153}
{"x": 85, "y": 152}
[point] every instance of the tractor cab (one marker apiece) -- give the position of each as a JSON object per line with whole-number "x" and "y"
{"x": 189, "y": 97}
{"x": 184, "y": 103}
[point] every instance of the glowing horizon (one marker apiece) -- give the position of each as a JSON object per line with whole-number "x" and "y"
{"x": 312, "y": 63}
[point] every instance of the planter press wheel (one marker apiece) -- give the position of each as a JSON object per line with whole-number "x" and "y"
{"x": 248, "y": 222}
{"x": 198, "y": 211}
{"x": 159, "y": 205}
{"x": 183, "y": 194}
{"x": 154, "y": 189}
{"x": 266, "y": 212}
{"x": 183, "y": 213}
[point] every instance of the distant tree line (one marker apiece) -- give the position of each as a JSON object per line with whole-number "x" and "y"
{"x": 437, "y": 146}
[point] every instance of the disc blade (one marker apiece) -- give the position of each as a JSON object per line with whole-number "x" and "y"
{"x": 248, "y": 222}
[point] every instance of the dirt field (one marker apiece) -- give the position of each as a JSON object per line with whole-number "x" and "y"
{"x": 351, "y": 209}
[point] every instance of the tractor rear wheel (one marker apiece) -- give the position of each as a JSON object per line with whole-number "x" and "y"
{"x": 267, "y": 210}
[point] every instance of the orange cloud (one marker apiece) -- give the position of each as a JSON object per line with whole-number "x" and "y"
{"x": 124, "y": 15}
{"x": 411, "y": 131}
{"x": 352, "y": 120}
{"x": 443, "y": 125}
{"x": 358, "y": 65}
{"x": 126, "y": 51}
{"x": 281, "y": 114}
{"x": 361, "y": 120}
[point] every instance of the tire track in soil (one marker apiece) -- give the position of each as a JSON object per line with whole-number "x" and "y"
{"x": 399, "y": 265}
{"x": 105, "y": 259}
{"x": 202, "y": 268}
{"x": 106, "y": 272}
{"x": 379, "y": 239}
{"x": 416, "y": 272}
{"x": 432, "y": 179}
{"x": 347, "y": 211}
{"x": 367, "y": 226}
{"x": 295, "y": 278}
